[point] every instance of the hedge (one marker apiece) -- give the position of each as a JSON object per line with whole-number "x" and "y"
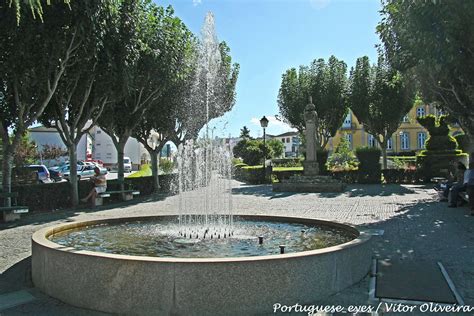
{"x": 369, "y": 170}
{"x": 54, "y": 196}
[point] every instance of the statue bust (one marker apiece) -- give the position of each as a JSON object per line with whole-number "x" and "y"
{"x": 310, "y": 115}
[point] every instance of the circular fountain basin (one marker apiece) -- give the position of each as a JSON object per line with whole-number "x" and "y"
{"x": 137, "y": 284}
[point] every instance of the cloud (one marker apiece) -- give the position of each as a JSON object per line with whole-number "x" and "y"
{"x": 275, "y": 126}
{"x": 319, "y": 4}
{"x": 197, "y": 2}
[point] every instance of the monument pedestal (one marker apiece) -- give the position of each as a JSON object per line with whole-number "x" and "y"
{"x": 311, "y": 168}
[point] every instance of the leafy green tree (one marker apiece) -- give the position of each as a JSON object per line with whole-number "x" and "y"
{"x": 379, "y": 96}
{"x": 26, "y": 152}
{"x": 143, "y": 42}
{"x": 33, "y": 59}
{"x": 245, "y": 132}
{"x": 433, "y": 40}
{"x": 35, "y": 6}
{"x": 326, "y": 82}
{"x": 276, "y": 148}
{"x": 156, "y": 127}
{"x": 82, "y": 93}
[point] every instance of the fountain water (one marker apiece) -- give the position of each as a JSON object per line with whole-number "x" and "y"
{"x": 205, "y": 166}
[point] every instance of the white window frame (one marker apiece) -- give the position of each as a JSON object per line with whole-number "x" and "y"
{"x": 405, "y": 119}
{"x": 405, "y": 141}
{"x": 371, "y": 142}
{"x": 419, "y": 137}
{"x": 390, "y": 144}
{"x": 349, "y": 139}
{"x": 420, "y": 112}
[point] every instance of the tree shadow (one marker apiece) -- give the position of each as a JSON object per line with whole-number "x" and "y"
{"x": 66, "y": 215}
{"x": 262, "y": 190}
{"x": 17, "y": 277}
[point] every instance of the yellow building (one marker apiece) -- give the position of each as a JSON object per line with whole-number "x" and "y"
{"x": 409, "y": 137}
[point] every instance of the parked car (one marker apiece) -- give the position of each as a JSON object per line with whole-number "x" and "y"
{"x": 56, "y": 175}
{"x": 83, "y": 172}
{"x": 127, "y": 164}
{"x": 43, "y": 173}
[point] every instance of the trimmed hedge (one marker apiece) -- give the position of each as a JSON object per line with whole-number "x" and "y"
{"x": 286, "y": 162}
{"x": 402, "y": 176}
{"x": 54, "y": 196}
{"x": 369, "y": 164}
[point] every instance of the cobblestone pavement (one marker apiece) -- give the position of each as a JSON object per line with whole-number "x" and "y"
{"x": 416, "y": 227}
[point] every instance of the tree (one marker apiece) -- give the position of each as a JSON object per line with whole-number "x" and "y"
{"x": 26, "y": 153}
{"x": 33, "y": 59}
{"x": 433, "y": 40}
{"x": 379, "y": 96}
{"x": 82, "y": 93}
{"x": 156, "y": 127}
{"x": 326, "y": 83}
{"x": 276, "y": 148}
{"x": 35, "y": 6}
{"x": 52, "y": 152}
{"x": 245, "y": 132}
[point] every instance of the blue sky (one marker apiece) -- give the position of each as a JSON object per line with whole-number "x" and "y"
{"x": 267, "y": 37}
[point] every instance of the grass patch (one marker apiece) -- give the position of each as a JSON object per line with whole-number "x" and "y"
{"x": 287, "y": 168}
{"x": 145, "y": 171}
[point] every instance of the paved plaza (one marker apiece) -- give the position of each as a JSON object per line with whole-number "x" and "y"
{"x": 416, "y": 227}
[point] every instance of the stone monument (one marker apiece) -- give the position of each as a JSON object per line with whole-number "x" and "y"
{"x": 310, "y": 181}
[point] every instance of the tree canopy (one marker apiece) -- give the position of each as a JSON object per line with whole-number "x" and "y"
{"x": 326, "y": 82}
{"x": 379, "y": 96}
{"x": 434, "y": 40}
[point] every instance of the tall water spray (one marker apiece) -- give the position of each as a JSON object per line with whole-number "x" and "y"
{"x": 205, "y": 166}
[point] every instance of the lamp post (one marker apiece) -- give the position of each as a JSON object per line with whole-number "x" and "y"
{"x": 264, "y": 124}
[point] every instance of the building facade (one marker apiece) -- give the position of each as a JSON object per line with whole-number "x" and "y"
{"x": 409, "y": 137}
{"x": 291, "y": 142}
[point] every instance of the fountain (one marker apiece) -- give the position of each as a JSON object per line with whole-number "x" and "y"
{"x": 204, "y": 260}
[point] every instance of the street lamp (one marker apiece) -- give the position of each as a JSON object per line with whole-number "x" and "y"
{"x": 264, "y": 124}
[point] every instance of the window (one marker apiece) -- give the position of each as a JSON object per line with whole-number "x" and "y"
{"x": 404, "y": 141}
{"x": 405, "y": 119}
{"x": 421, "y": 140}
{"x": 420, "y": 112}
{"x": 389, "y": 144}
{"x": 440, "y": 112}
{"x": 371, "y": 140}
{"x": 99, "y": 132}
{"x": 282, "y": 140}
{"x": 349, "y": 139}
{"x": 288, "y": 140}
{"x": 347, "y": 121}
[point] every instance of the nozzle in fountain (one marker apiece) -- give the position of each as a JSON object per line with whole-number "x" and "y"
{"x": 282, "y": 249}
{"x": 260, "y": 240}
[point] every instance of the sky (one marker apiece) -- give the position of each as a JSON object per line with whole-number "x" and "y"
{"x": 267, "y": 37}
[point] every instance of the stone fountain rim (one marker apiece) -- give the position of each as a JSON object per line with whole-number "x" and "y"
{"x": 40, "y": 238}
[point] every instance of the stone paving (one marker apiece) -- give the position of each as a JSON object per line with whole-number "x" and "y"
{"x": 416, "y": 227}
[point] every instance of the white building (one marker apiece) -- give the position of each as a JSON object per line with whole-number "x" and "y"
{"x": 291, "y": 141}
{"x": 49, "y": 136}
{"x": 104, "y": 149}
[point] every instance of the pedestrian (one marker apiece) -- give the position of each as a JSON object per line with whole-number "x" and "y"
{"x": 100, "y": 186}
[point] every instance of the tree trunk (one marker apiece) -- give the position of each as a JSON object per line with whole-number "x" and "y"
{"x": 73, "y": 181}
{"x": 154, "y": 170}
{"x": 120, "y": 155}
{"x": 7, "y": 165}
{"x": 383, "y": 147}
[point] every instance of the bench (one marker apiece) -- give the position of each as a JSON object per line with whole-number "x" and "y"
{"x": 11, "y": 213}
{"x": 127, "y": 195}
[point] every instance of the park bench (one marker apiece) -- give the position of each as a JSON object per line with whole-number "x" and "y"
{"x": 11, "y": 213}
{"x": 126, "y": 195}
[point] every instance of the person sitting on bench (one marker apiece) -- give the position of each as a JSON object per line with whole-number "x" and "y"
{"x": 100, "y": 186}
{"x": 456, "y": 180}
{"x": 456, "y": 189}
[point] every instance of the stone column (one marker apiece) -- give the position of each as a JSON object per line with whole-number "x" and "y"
{"x": 310, "y": 165}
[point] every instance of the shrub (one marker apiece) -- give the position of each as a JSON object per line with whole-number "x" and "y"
{"x": 322, "y": 157}
{"x": 463, "y": 142}
{"x": 401, "y": 176}
{"x": 166, "y": 166}
{"x": 253, "y": 174}
{"x": 369, "y": 164}
{"x": 54, "y": 196}
{"x": 343, "y": 158}
{"x": 286, "y": 162}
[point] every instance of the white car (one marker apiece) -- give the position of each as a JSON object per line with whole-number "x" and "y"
{"x": 127, "y": 164}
